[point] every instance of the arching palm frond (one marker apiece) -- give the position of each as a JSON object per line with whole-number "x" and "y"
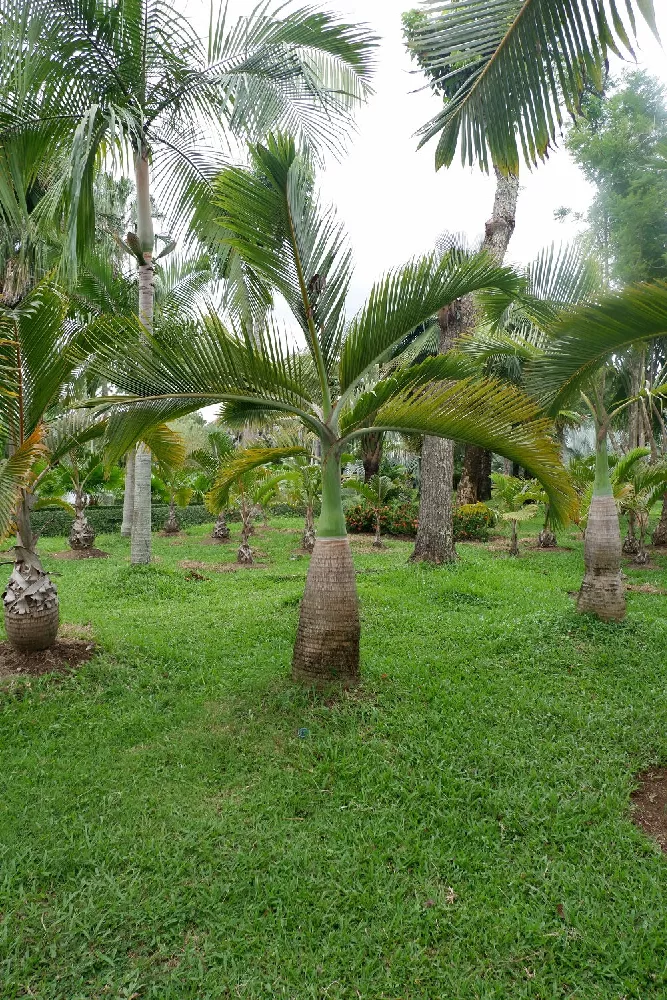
{"x": 238, "y": 465}
{"x": 586, "y": 338}
{"x": 513, "y": 66}
{"x": 15, "y": 475}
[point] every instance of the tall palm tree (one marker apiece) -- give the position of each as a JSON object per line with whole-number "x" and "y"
{"x": 276, "y": 225}
{"x": 131, "y": 82}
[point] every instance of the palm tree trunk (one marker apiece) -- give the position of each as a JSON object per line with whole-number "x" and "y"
{"x": 435, "y": 533}
{"x": 371, "y": 455}
{"x": 659, "y": 537}
{"x": 31, "y": 606}
{"x": 475, "y": 484}
{"x": 308, "y": 539}
{"x": 377, "y": 541}
{"x": 514, "y": 544}
{"x": 128, "y": 496}
{"x": 602, "y": 592}
{"x": 140, "y": 546}
{"x": 140, "y": 552}
{"x": 327, "y": 642}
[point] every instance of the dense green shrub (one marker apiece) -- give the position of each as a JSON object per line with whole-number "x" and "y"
{"x": 471, "y": 522}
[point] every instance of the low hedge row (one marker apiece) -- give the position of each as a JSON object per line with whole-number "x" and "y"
{"x": 471, "y": 521}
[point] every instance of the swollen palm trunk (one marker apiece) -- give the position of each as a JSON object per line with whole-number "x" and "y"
{"x": 327, "y": 641}
{"x": 31, "y": 605}
{"x": 602, "y": 592}
{"x": 82, "y": 533}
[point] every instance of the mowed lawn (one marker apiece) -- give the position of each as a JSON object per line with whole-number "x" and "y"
{"x": 178, "y": 821}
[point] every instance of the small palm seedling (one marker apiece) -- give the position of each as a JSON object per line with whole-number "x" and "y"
{"x": 377, "y": 492}
{"x": 514, "y": 500}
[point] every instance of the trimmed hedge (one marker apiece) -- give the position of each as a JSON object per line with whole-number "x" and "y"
{"x": 55, "y": 522}
{"x": 106, "y": 520}
{"x": 471, "y": 522}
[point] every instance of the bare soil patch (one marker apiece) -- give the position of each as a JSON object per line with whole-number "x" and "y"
{"x": 81, "y": 554}
{"x": 67, "y": 653}
{"x": 644, "y": 588}
{"x": 649, "y": 805}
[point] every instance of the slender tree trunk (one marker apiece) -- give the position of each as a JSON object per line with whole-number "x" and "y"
{"x": 140, "y": 547}
{"x": 308, "y": 539}
{"x": 435, "y": 533}
{"x": 514, "y": 544}
{"x": 244, "y": 555}
{"x": 377, "y": 541}
{"x": 371, "y": 455}
{"x": 140, "y": 551}
{"x": 171, "y": 525}
{"x": 659, "y": 537}
{"x": 602, "y": 592}
{"x": 475, "y": 484}
{"x": 327, "y": 641}
{"x": 128, "y": 496}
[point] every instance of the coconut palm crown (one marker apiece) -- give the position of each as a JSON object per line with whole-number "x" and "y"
{"x": 272, "y": 218}
{"x": 510, "y": 67}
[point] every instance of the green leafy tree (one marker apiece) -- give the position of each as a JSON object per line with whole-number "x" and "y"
{"x": 277, "y": 225}
{"x": 85, "y": 82}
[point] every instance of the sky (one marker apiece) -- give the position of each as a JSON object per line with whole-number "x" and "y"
{"x": 392, "y": 201}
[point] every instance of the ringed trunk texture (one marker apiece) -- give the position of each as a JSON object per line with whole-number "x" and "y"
{"x": 82, "y": 533}
{"x": 659, "y": 537}
{"x": 140, "y": 548}
{"x": 221, "y": 532}
{"x": 602, "y": 592}
{"x": 128, "y": 496}
{"x": 327, "y": 642}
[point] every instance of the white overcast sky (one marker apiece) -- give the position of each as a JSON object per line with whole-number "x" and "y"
{"x": 392, "y": 201}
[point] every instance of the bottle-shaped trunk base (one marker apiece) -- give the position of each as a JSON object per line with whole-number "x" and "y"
{"x": 602, "y": 591}
{"x": 327, "y": 642}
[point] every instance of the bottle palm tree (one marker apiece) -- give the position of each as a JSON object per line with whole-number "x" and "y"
{"x": 572, "y": 367}
{"x": 277, "y": 226}
{"x": 133, "y": 82}
{"x": 36, "y": 360}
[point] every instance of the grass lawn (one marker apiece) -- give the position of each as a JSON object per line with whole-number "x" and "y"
{"x": 178, "y": 821}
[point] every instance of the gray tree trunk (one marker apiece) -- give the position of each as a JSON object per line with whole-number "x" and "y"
{"x": 140, "y": 549}
{"x": 497, "y": 237}
{"x": 128, "y": 496}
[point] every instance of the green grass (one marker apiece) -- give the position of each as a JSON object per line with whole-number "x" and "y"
{"x": 165, "y": 831}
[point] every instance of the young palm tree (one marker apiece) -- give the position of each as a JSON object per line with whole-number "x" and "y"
{"x": 82, "y": 82}
{"x": 276, "y": 225}
{"x": 513, "y": 498}
{"x": 572, "y": 367}
{"x": 378, "y": 492}
{"x": 36, "y": 360}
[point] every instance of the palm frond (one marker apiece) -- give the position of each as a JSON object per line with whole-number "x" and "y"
{"x": 238, "y": 465}
{"x": 509, "y": 67}
{"x": 410, "y": 296}
{"x": 586, "y": 338}
{"x": 487, "y": 413}
{"x": 15, "y": 475}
